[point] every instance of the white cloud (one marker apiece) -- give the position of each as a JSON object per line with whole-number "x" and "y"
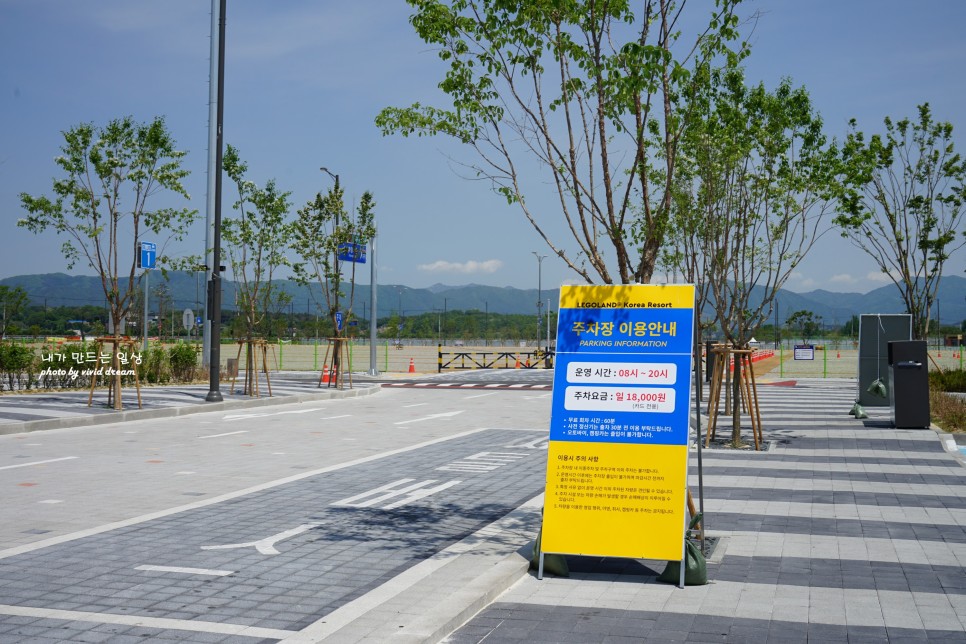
{"x": 797, "y": 281}
{"x": 843, "y": 279}
{"x": 469, "y": 267}
{"x": 878, "y": 277}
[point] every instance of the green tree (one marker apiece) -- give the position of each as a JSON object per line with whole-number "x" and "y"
{"x": 257, "y": 240}
{"x": 162, "y": 295}
{"x": 902, "y": 203}
{"x": 851, "y": 328}
{"x": 101, "y": 204}
{"x": 761, "y": 175}
{"x": 757, "y": 179}
{"x": 322, "y": 227}
{"x": 12, "y": 301}
{"x": 588, "y": 91}
{"x": 805, "y": 323}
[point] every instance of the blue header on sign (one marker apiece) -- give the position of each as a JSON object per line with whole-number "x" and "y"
{"x": 623, "y": 367}
{"x": 620, "y": 330}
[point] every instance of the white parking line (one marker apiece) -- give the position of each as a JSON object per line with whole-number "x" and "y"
{"x": 50, "y": 460}
{"x": 187, "y": 571}
{"x": 145, "y": 621}
{"x": 416, "y": 405}
{"x": 243, "y": 431}
{"x": 300, "y": 411}
{"x": 430, "y": 417}
{"x": 239, "y": 416}
{"x": 480, "y": 395}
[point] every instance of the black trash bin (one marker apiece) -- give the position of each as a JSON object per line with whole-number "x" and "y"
{"x": 909, "y": 384}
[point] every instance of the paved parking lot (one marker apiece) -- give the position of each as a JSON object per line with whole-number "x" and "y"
{"x": 399, "y": 512}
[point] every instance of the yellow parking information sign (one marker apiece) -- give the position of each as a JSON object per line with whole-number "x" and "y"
{"x": 617, "y": 466}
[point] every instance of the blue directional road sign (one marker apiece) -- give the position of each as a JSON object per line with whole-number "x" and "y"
{"x": 148, "y": 255}
{"x": 352, "y": 252}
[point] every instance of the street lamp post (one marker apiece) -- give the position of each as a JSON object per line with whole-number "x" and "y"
{"x": 215, "y": 283}
{"x": 373, "y": 322}
{"x": 540, "y": 259}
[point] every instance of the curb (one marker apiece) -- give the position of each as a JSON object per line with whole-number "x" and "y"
{"x": 426, "y": 603}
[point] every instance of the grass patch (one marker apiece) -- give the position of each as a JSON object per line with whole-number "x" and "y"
{"x": 947, "y": 412}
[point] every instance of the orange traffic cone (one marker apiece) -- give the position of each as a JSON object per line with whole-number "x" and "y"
{"x": 518, "y": 363}
{"x": 325, "y": 373}
{"x": 412, "y": 366}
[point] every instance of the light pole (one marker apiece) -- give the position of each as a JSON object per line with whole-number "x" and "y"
{"x": 215, "y": 282}
{"x": 373, "y": 370}
{"x": 540, "y": 259}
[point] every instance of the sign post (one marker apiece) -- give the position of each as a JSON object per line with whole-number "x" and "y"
{"x": 147, "y": 256}
{"x": 618, "y": 455}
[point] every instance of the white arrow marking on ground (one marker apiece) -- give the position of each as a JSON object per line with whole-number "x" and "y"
{"x": 51, "y": 460}
{"x": 266, "y": 546}
{"x": 431, "y": 417}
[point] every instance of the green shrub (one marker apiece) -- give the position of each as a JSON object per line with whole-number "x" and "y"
{"x": 952, "y": 380}
{"x": 17, "y": 366}
{"x": 154, "y": 368}
{"x": 68, "y": 358}
{"x": 183, "y": 360}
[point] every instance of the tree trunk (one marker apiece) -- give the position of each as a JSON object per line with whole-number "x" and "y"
{"x": 736, "y": 405}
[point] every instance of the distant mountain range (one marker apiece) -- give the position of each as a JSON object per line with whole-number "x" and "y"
{"x": 188, "y": 291}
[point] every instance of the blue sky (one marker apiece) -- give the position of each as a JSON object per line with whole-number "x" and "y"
{"x": 305, "y": 78}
